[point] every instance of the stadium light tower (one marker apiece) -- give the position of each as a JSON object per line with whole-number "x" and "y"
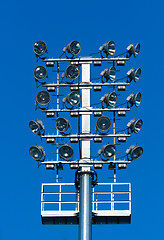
{"x": 78, "y": 104}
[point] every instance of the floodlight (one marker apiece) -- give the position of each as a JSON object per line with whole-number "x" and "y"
{"x": 109, "y": 99}
{"x": 108, "y": 151}
{"x": 39, "y": 48}
{"x": 103, "y": 123}
{"x": 66, "y": 151}
{"x": 37, "y": 127}
{"x": 37, "y": 153}
{"x": 135, "y": 152}
{"x": 72, "y": 72}
{"x": 134, "y": 99}
{"x": 133, "y": 49}
{"x": 43, "y": 97}
{"x": 73, "y": 98}
{"x": 135, "y": 125}
{"x": 40, "y": 73}
{"x": 109, "y": 74}
{"x": 134, "y": 74}
{"x": 62, "y": 124}
{"x": 73, "y": 47}
{"x": 109, "y": 48}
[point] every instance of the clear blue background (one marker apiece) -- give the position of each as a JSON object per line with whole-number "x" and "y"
{"x": 91, "y": 23}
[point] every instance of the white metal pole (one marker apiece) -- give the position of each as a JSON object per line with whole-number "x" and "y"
{"x": 85, "y": 211}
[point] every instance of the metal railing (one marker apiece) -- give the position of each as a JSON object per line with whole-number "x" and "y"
{"x": 62, "y": 197}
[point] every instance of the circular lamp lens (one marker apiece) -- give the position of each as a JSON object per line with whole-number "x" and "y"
{"x": 136, "y": 50}
{"x": 111, "y": 48}
{"x": 112, "y": 99}
{"x": 137, "y": 99}
{"x": 66, "y": 151}
{"x": 137, "y": 74}
{"x": 40, "y": 73}
{"x": 103, "y": 123}
{"x": 43, "y": 97}
{"x": 136, "y": 152}
{"x": 35, "y": 127}
{"x": 61, "y": 124}
{"x": 74, "y": 98}
{"x": 109, "y": 151}
{"x": 39, "y": 48}
{"x": 72, "y": 72}
{"x": 137, "y": 125}
{"x": 74, "y": 47}
{"x": 110, "y": 73}
{"x": 36, "y": 152}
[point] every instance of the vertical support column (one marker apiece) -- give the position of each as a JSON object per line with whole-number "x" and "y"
{"x": 85, "y": 208}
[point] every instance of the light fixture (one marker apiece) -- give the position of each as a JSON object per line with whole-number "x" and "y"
{"x": 103, "y": 124}
{"x": 108, "y": 48}
{"x": 39, "y": 48}
{"x": 134, "y": 74}
{"x": 133, "y": 49}
{"x": 135, "y": 125}
{"x": 73, "y": 98}
{"x": 108, "y": 151}
{"x": 37, "y": 127}
{"x": 66, "y": 151}
{"x": 109, "y": 99}
{"x": 43, "y": 97}
{"x": 109, "y": 74}
{"x": 134, "y": 151}
{"x": 37, "y": 152}
{"x": 72, "y": 72}
{"x": 40, "y": 73}
{"x": 62, "y": 124}
{"x": 73, "y": 47}
{"x": 134, "y": 99}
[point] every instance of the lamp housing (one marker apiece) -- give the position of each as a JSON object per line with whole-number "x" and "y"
{"x": 103, "y": 124}
{"x": 109, "y": 74}
{"x": 66, "y": 151}
{"x": 108, "y": 48}
{"x": 40, "y": 73}
{"x": 37, "y": 127}
{"x": 134, "y": 151}
{"x": 43, "y": 97}
{"x": 135, "y": 125}
{"x": 109, "y": 99}
{"x": 133, "y": 49}
{"x": 71, "y": 72}
{"x": 134, "y": 74}
{"x": 37, "y": 153}
{"x": 62, "y": 124}
{"x": 73, "y": 47}
{"x": 134, "y": 99}
{"x": 108, "y": 151}
{"x": 40, "y": 48}
{"x": 73, "y": 98}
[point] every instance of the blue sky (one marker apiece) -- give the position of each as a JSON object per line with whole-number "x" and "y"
{"x": 91, "y": 23}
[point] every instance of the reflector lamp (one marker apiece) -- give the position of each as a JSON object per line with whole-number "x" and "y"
{"x": 73, "y": 98}
{"x": 72, "y": 72}
{"x": 43, "y": 97}
{"x": 37, "y": 153}
{"x": 103, "y": 123}
{"x": 39, "y": 48}
{"x": 108, "y": 48}
{"x": 40, "y": 73}
{"x": 37, "y": 127}
{"x": 66, "y": 151}
{"x": 73, "y": 47}
{"x": 133, "y": 49}
{"x": 135, "y": 125}
{"x": 109, "y": 99}
{"x": 109, "y": 74}
{"x": 62, "y": 124}
{"x": 134, "y": 74}
{"x": 134, "y": 99}
{"x": 108, "y": 151}
{"x": 135, "y": 152}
